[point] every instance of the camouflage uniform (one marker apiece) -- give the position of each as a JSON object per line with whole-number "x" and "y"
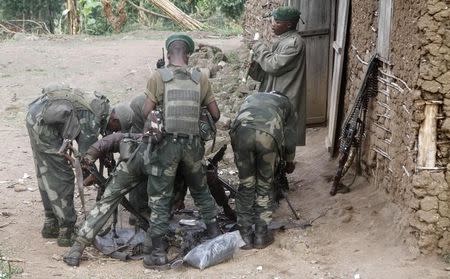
{"x": 62, "y": 113}
{"x": 127, "y": 176}
{"x": 138, "y": 196}
{"x": 177, "y": 148}
{"x": 263, "y": 130}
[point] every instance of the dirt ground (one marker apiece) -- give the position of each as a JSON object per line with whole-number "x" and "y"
{"x": 356, "y": 235}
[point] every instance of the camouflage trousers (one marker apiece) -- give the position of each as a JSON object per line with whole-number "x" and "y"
{"x": 164, "y": 163}
{"x": 255, "y": 155}
{"x": 54, "y": 174}
{"x": 126, "y": 177}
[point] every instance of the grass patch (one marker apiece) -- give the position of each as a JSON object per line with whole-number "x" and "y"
{"x": 8, "y": 269}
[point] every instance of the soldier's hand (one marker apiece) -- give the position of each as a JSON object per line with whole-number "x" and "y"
{"x": 290, "y": 167}
{"x": 89, "y": 180}
{"x": 160, "y": 63}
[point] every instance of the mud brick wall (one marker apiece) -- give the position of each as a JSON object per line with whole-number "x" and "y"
{"x": 431, "y": 220}
{"x": 416, "y": 74}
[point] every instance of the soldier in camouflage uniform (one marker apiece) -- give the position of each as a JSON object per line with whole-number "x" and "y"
{"x": 180, "y": 91}
{"x": 138, "y": 196}
{"x": 263, "y": 131}
{"x": 129, "y": 175}
{"x": 63, "y": 113}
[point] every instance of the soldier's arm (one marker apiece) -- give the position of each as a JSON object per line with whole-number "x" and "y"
{"x": 153, "y": 90}
{"x": 209, "y": 100}
{"x": 279, "y": 62}
{"x": 108, "y": 144}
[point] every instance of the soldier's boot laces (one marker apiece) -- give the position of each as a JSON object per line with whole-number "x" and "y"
{"x": 247, "y": 236}
{"x": 263, "y": 237}
{"x": 65, "y": 237}
{"x": 50, "y": 228}
{"x": 73, "y": 257}
{"x": 157, "y": 259}
{"x": 212, "y": 229}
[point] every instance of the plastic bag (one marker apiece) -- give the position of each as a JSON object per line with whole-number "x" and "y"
{"x": 215, "y": 250}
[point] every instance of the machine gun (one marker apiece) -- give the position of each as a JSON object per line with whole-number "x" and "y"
{"x": 217, "y": 185}
{"x": 352, "y": 133}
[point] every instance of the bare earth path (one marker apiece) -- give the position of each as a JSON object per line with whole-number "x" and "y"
{"x": 357, "y": 236}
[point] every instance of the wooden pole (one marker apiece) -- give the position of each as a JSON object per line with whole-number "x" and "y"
{"x": 426, "y": 156}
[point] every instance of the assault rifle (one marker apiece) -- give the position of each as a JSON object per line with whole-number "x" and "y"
{"x": 75, "y": 162}
{"x": 353, "y": 130}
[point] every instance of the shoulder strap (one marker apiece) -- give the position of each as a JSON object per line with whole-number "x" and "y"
{"x": 196, "y": 75}
{"x": 166, "y": 74}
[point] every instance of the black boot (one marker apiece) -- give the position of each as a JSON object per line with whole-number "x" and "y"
{"x": 65, "y": 237}
{"x": 212, "y": 229}
{"x": 247, "y": 236}
{"x": 263, "y": 237}
{"x": 157, "y": 259}
{"x": 73, "y": 257}
{"x": 50, "y": 228}
{"x": 147, "y": 245}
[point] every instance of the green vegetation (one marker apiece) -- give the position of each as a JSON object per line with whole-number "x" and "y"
{"x": 7, "y": 270}
{"x": 220, "y": 16}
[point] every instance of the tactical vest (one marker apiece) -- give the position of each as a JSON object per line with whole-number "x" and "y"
{"x": 93, "y": 102}
{"x": 181, "y": 101}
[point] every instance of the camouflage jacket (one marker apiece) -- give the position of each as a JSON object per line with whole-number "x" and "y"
{"x": 271, "y": 113}
{"x": 71, "y": 112}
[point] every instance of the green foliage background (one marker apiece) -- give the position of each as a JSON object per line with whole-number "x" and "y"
{"x": 217, "y": 14}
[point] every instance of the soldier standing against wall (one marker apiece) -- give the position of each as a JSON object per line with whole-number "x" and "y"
{"x": 262, "y": 134}
{"x": 282, "y": 66}
{"x": 59, "y": 115}
{"x": 180, "y": 91}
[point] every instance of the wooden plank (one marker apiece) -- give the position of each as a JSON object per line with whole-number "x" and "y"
{"x": 427, "y": 148}
{"x": 317, "y": 77}
{"x": 333, "y": 97}
{"x": 384, "y": 29}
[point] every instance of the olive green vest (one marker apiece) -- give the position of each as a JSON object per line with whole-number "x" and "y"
{"x": 182, "y": 101}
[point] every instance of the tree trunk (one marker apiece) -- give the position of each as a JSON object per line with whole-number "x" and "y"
{"x": 177, "y": 15}
{"x": 73, "y": 18}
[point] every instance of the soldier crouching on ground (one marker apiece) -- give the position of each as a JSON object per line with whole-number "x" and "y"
{"x": 180, "y": 91}
{"x": 60, "y": 115}
{"x": 262, "y": 134}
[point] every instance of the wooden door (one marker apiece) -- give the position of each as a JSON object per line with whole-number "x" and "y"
{"x": 316, "y": 15}
{"x": 338, "y": 50}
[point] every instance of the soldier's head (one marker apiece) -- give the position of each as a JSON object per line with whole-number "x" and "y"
{"x": 179, "y": 46}
{"x": 284, "y": 19}
{"x": 120, "y": 118}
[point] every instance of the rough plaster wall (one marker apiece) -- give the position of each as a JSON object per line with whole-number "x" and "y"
{"x": 253, "y": 18}
{"x": 389, "y": 148}
{"x": 419, "y": 60}
{"x": 431, "y": 220}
